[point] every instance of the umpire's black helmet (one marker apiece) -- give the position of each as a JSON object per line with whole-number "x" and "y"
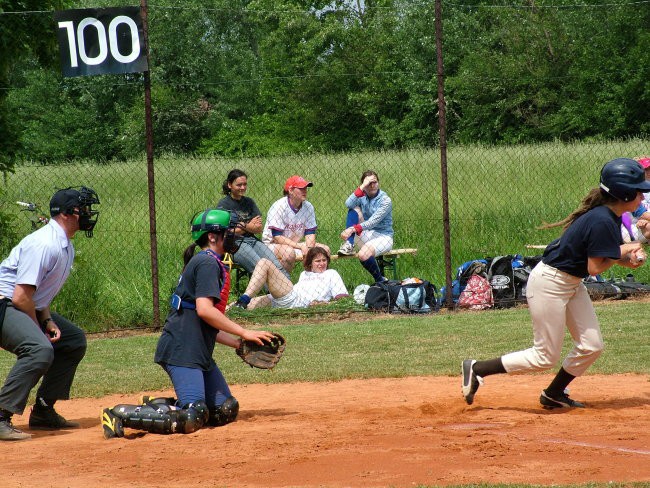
{"x": 622, "y": 178}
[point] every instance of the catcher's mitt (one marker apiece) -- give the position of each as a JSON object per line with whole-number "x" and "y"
{"x": 265, "y": 356}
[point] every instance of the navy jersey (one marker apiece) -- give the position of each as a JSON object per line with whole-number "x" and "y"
{"x": 186, "y": 339}
{"x": 596, "y": 234}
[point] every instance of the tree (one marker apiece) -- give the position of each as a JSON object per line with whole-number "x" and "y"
{"x": 21, "y": 35}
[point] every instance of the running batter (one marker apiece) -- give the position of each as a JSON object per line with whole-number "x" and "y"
{"x": 557, "y": 298}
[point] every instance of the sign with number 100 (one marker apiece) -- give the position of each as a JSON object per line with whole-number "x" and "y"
{"x": 101, "y": 41}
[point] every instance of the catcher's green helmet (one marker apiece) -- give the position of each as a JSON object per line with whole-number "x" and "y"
{"x": 210, "y": 220}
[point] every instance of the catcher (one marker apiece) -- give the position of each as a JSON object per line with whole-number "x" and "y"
{"x": 193, "y": 326}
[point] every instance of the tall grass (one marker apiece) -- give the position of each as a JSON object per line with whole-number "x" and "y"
{"x": 497, "y": 198}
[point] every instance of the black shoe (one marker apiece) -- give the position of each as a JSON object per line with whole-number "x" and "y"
{"x": 111, "y": 424}
{"x": 558, "y": 401}
{"x": 471, "y": 381}
{"x": 48, "y": 419}
{"x": 240, "y": 304}
{"x": 10, "y": 433}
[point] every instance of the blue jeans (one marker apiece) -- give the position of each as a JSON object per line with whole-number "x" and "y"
{"x": 251, "y": 250}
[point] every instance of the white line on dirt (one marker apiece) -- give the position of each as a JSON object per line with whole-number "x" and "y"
{"x": 597, "y": 446}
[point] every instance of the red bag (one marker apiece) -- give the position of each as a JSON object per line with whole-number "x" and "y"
{"x": 477, "y": 295}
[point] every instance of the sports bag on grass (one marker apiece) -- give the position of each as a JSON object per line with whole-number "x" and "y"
{"x": 412, "y": 295}
{"x": 502, "y": 279}
{"x": 477, "y": 294}
{"x": 463, "y": 273}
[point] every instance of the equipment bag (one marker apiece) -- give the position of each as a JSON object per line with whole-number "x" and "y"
{"x": 477, "y": 295}
{"x": 407, "y": 296}
{"x": 502, "y": 279}
{"x": 463, "y": 273}
{"x": 603, "y": 290}
{"x": 630, "y": 287}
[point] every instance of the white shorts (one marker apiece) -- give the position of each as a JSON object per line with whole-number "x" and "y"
{"x": 382, "y": 243}
{"x": 290, "y": 300}
{"x": 297, "y": 252}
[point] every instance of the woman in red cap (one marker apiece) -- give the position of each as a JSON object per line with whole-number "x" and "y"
{"x": 290, "y": 220}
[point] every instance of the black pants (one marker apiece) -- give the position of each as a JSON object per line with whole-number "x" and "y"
{"x": 38, "y": 358}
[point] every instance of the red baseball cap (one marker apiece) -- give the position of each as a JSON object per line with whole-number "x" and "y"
{"x": 296, "y": 181}
{"x": 645, "y": 162}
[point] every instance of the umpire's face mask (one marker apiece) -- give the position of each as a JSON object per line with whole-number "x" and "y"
{"x": 87, "y": 219}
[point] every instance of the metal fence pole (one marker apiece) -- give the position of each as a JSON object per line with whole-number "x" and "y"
{"x": 150, "y": 173}
{"x": 442, "y": 128}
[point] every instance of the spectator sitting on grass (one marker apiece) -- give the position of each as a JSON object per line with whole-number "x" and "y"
{"x": 317, "y": 284}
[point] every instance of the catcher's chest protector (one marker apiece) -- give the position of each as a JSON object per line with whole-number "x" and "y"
{"x": 225, "y": 280}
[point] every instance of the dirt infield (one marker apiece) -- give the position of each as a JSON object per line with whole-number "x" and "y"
{"x": 360, "y": 433}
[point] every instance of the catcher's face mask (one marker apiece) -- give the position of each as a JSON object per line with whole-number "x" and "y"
{"x": 231, "y": 241}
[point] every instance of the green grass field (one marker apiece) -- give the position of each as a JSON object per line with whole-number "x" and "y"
{"x": 497, "y": 198}
{"x": 394, "y": 346}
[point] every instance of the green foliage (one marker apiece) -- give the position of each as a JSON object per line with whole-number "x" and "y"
{"x": 8, "y": 237}
{"x": 533, "y": 74}
{"x": 73, "y": 118}
{"x": 21, "y": 35}
{"x": 262, "y": 77}
{"x": 176, "y": 120}
{"x": 260, "y": 135}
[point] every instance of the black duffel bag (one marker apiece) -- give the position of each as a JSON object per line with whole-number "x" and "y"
{"x": 407, "y": 296}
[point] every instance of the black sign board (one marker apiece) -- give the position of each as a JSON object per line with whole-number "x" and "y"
{"x": 101, "y": 41}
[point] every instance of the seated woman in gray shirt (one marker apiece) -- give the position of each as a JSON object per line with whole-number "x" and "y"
{"x": 251, "y": 249}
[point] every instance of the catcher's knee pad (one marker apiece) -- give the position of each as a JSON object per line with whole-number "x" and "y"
{"x": 192, "y": 417}
{"x": 159, "y": 419}
{"x": 225, "y": 413}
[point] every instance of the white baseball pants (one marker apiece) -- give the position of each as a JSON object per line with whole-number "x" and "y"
{"x": 557, "y": 300}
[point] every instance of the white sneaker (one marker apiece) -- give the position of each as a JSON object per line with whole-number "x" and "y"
{"x": 346, "y": 249}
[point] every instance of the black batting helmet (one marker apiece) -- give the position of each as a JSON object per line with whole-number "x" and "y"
{"x": 622, "y": 178}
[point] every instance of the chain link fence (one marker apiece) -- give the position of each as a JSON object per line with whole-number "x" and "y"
{"x": 498, "y": 194}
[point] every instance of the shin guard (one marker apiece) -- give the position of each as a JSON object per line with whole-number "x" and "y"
{"x": 224, "y": 413}
{"x": 157, "y": 420}
{"x": 192, "y": 417}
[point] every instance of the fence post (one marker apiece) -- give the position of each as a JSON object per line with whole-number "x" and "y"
{"x": 442, "y": 130}
{"x": 150, "y": 173}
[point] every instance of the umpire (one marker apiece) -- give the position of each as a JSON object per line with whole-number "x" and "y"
{"x": 46, "y": 345}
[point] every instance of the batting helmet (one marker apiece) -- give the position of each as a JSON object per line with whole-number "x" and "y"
{"x": 210, "y": 220}
{"x": 622, "y": 178}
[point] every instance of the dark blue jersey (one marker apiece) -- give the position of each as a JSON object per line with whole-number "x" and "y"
{"x": 595, "y": 234}
{"x": 186, "y": 340}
